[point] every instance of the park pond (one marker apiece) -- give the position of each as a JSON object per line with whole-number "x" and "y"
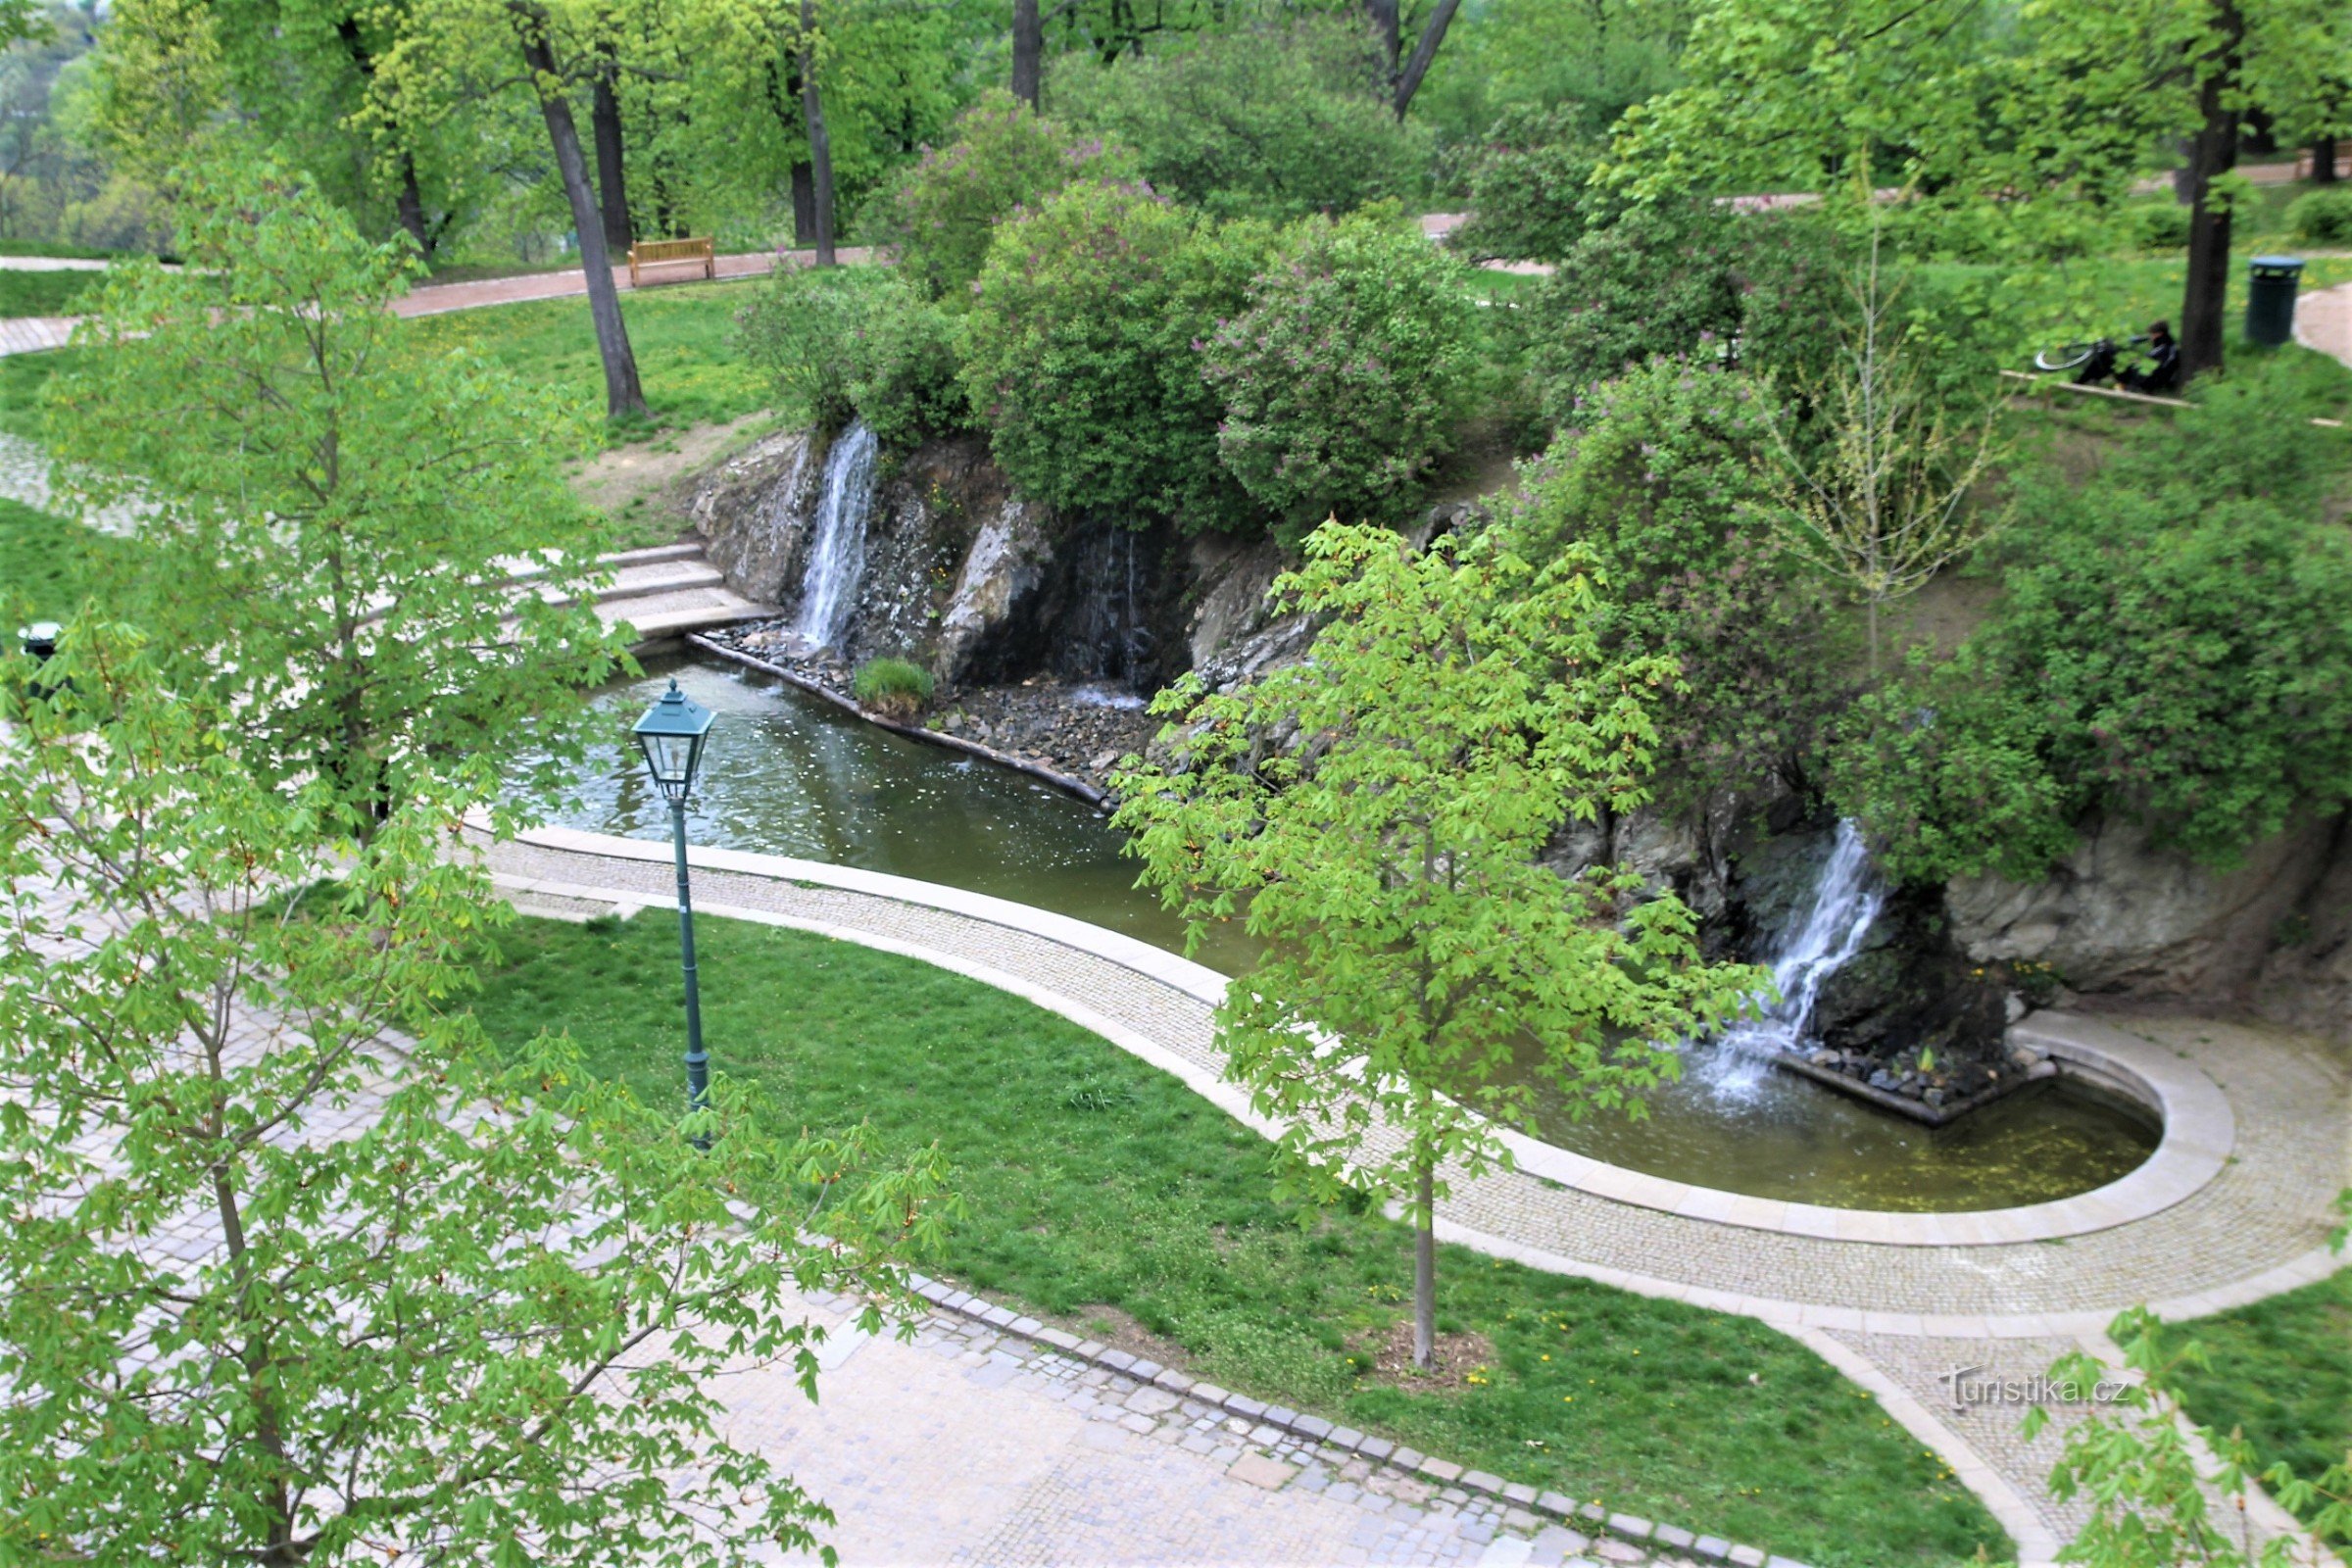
{"x": 787, "y": 774}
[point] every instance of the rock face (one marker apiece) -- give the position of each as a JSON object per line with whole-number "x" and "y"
{"x": 988, "y": 590}
{"x": 2121, "y": 916}
{"x": 960, "y": 574}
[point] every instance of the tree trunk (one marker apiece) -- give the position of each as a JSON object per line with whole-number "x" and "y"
{"x": 820, "y": 145}
{"x": 803, "y": 205}
{"x": 1385, "y": 28}
{"x": 410, "y": 203}
{"x": 1424, "y": 52}
{"x": 1425, "y": 1267}
{"x": 2211, "y": 154}
{"x": 1028, "y": 52}
{"x": 2323, "y": 161}
{"x": 612, "y": 172}
{"x": 624, "y": 398}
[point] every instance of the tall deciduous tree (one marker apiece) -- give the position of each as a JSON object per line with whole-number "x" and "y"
{"x": 333, "y": 508}
{"x": 277, "y": 1287}
{"x": 1375, "y": 813}
{"x": 464, "y": 51}
{"x": 2010, "y": 110}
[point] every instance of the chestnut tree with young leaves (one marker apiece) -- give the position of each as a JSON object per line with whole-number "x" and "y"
{"x": 298, "y": 1266}
{"x": 1376, "y": 812}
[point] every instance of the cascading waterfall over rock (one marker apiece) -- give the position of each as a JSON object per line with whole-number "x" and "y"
{"x": 837, "y": 547}
{"x": 1846, "y": 903}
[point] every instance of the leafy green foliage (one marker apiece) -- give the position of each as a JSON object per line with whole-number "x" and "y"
{"x": 1092, "y": 1179}
{"x": 843, "y": 343}
{"x": 1342, "y": 380}
{"x": 1662, "y": 479}
{"x": 440, "y": 1285}
{"x": 891, "y": 684}
{"x": 2148, "y": 1487}
{"x": 1530, "y": 189}
{"x": 1686, "y": 280}
{"x": 2157, "y": 225}
{"x": 1082, "y": 353}
{"x": 1587, "y": 63}
{"x": 2174, "y": 644}
{"x": 943, "y": 209}
{"x": 2323, "y": 216}
{"x": 1451, "y": 715}
{"x": 1264, "y": 122}
{"x": 332, "y": 510}
{"x": 2279, "y": 1372}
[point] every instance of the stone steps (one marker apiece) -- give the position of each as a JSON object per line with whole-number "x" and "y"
{"x": 676, "y": 611}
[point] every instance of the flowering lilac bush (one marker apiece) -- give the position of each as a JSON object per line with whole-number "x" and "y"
{"x": 941, "y": 212}
{"x": 1342, "y": 380}
{"x": 1080, "y": 356}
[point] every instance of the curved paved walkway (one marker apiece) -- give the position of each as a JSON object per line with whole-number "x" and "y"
{"x": 1899, "y": 1320}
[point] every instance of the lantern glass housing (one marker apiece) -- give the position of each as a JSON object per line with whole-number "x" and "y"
{"x": 672, "y": 732}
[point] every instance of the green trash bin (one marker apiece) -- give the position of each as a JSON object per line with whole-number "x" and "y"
{"x": 2271, "y": 298}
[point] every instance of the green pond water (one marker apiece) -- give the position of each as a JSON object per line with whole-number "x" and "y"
{"x": 785, "y": 774}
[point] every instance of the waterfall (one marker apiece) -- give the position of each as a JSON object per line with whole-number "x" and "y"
{"x": 1822, "y": 940}
{"x": 837, "y": 550}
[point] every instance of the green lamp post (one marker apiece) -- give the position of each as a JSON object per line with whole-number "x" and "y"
{"x": 672, "y": 732}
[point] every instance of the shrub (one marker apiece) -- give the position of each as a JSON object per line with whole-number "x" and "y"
{"x": 1528, "y": 189}
{"x": 1661, "y": 477}
{"x": 2157, "y": 225}
{"x": 1260, "y": 123}
{"x": 2174, "y": 644}
{"x": 844, "y": 342}
{"x": 942, "y": 210}
{"x": 1688, "y": 280}
{"x": 892, "y": 687}
{"x": 2321, "y": 215}
{"x": 1342, "y": 378}
{"x": 1081, "y": 352}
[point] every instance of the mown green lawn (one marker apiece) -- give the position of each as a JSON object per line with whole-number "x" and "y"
{"x": 58, "y": 293}
{"x": 45, "y": 563}
{"x": 682, "y": 336}
{"x": 2280, "y": 1371}
{"x": 1093, "y": 1180}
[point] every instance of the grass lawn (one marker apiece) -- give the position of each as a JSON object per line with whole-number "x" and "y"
{"x": 2282, "y": 1372}
{"x": 45, "y": 293}
{"x": 44, "y": 563}
{"x": 681, "y": 336}
{"x": 1093, "y": 1182}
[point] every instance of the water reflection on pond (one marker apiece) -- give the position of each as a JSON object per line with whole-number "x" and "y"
{"x": 786, "y": 774}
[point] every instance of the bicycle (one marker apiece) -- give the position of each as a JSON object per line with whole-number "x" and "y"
{"x": 2092, "y": 361}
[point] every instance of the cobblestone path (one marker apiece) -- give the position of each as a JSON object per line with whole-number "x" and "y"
{"x": 1898, "y": 1319}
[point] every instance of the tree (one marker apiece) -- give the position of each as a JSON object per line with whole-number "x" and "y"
{"x": 1266, "y": 121}
{"x": 1028, "y": 53}
{"x": 280, "y": 1286}
{"x": 1890, "y": 499}
{"x": 552, "y": 49}
{"x": 1375, "y": 813}
{"x": 2011, "y": 113}
{"x": 334, "y": 509}
{"x": 820, "y": 145}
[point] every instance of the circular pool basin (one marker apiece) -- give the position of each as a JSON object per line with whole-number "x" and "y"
{"x": 786, "y": 774}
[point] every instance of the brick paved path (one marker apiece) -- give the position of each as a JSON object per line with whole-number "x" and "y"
{"x": 1895, "y": 1318}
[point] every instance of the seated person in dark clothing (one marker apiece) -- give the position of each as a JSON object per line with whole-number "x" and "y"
{"x": 2163, "y": 370}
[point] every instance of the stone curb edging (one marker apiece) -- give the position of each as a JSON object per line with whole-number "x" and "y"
{"x": 1552, "y": 1505}
{"x": 2199, "y": 1126}
{"x": 954, "y": 743}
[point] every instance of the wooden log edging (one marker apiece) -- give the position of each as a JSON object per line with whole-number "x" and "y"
{"x": 1097, "y": 799}
{"x": 2043, "y": 383}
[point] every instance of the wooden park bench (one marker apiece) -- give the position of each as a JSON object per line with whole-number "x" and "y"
{"x": 670, "y": 252}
